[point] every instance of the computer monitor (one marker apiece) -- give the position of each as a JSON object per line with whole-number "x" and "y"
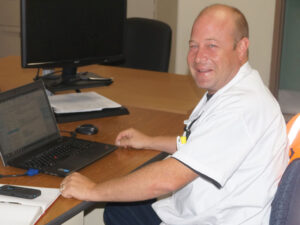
{"x": 72, "y": 33}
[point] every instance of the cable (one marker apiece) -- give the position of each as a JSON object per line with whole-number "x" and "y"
{"x": 30, "y": 172}
{"x": 37, "y": 76}
{"x": 72, "y": 133}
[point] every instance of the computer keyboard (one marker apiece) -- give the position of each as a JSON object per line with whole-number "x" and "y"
{"x": 50, "y": 157}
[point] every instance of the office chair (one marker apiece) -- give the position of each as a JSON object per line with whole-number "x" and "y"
{"x": 147, "y": 44}
{"x": 286, "y": 204}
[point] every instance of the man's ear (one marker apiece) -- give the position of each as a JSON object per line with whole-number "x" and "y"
{"x": 242, "y": 48}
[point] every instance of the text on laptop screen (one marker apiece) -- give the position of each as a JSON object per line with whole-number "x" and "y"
{"x": 27, "y": 124}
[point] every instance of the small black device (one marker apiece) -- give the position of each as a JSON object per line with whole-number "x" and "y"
{"x": 20, "y": 192}
{"x": 87, "y": 129}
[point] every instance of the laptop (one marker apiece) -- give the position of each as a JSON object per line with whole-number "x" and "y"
{"x": 30, "y": 138}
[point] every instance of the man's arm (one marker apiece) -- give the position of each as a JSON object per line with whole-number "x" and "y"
{"x": 151, "y": 181}
{"x": 135, "y": 139}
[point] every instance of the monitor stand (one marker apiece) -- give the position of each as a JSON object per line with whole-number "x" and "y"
{"x": 71, "y": 80}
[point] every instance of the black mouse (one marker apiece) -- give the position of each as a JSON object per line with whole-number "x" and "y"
{"x": 88, "y": 129}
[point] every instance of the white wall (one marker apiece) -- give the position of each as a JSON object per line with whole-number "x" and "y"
{"x": 140, "y": 8}
{"x": 9, "y": 27}
{"x": 167, "y": 11}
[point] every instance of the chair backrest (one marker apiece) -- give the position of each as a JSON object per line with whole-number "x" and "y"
{"x": 286, "y": 204}
{"x": 147, "y": 44}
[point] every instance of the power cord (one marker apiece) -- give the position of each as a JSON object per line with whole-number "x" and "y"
{"x": 37, "y": 76}
{"x": 30, "y": 172}
{"x": 72, "y": 133}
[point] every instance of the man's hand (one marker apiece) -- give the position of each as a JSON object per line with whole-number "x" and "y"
{"x": 133, "y": 139}
{"x": 77, "y": 186}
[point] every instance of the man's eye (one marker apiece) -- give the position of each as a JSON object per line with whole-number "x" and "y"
{"x": 212, "y": 46}
{"x": 193, "y": 46}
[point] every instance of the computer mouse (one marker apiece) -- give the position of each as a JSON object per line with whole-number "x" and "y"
{"x": 87, "y": 129}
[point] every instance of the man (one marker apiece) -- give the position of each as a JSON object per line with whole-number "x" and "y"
{"x": 226, "y": 166}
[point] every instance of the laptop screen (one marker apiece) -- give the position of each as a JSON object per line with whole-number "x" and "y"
{"x": 26, "y": 120}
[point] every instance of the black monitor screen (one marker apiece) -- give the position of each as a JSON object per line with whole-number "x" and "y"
{"x": 59, "y": 33}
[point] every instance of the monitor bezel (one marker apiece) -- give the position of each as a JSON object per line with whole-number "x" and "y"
{"x": 69, "y": 64}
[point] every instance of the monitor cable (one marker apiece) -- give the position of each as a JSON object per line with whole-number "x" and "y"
{"x": 30, "y": 172}
{"x": 37, "y": 76}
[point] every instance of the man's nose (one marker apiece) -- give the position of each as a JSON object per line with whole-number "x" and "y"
{"x": 200, "y": 56}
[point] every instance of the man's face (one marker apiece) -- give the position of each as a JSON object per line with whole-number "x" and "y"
{"x": 213, "y": 59}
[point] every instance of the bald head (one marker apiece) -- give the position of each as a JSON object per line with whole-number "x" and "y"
{"x": 225, "y": 12}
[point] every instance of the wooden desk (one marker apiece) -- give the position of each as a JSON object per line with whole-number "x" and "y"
{"x": 158, "y": 103}
{"x": 131, "y": 87}
{"x": 118, "y": 163}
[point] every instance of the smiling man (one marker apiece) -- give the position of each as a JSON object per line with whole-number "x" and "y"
{"x": 225, "y": 167}
{"x": 218, "y": 48}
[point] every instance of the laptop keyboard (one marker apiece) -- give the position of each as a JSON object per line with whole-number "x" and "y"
{"x": 59, "y": 152}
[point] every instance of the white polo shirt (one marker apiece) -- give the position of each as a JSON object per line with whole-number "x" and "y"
{"x": 238, "y": 146}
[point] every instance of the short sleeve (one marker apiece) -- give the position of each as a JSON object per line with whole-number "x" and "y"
{"x": 216, "y": 146}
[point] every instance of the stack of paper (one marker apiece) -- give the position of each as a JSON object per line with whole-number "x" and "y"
{"x": 20, "y": 211}
{"x": 80, "y": 102}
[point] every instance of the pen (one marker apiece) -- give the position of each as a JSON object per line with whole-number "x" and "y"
{"x": 18, "y": 203}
